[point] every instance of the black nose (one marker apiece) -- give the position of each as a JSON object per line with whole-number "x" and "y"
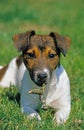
{"x": 42, "y": 77}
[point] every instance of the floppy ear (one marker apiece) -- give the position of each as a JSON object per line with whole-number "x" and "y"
{"x": 63, "y": 43}
{"x": 21, "y": 41}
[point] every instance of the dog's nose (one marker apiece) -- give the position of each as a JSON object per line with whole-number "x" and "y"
{"x": 42, "y": 78}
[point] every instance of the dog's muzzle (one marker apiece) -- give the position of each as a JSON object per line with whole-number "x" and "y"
{"x": 41, "y": 77}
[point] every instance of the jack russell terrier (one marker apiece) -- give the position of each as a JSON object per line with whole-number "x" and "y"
{"x": 40, "y": 64}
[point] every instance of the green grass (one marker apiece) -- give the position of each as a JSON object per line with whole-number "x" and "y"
{"x": 62, "y": 16}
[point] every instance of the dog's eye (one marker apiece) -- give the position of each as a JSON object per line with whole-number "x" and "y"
{"x": 51, "y": 55}
{"x": 30, "y": 55}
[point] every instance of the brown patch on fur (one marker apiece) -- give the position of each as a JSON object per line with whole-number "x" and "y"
{"x": 3, "y": 71}
{"x": 19, "y": 61}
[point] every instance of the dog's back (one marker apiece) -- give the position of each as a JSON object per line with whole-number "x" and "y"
{"x": 12, "y": 73}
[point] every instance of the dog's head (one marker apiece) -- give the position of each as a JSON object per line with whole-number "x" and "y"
{"x": 41, "y": 53}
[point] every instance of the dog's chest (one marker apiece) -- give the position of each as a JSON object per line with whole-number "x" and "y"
{"x": 51, "y": 91}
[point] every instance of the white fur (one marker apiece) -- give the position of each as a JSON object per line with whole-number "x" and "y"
{"x": 1, "y": 67}
{"x": 13, "y": 75}
{"x": 56, "y": 95}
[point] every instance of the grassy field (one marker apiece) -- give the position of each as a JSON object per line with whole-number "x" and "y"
{"x": 62, "y": 16}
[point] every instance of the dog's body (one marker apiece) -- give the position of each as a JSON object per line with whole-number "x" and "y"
{"x": 11, "y": 74}
{"x": 41, "y": 58}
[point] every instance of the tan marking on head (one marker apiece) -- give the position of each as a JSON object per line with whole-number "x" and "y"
{"x": 51, "y": 62}
{"x": 48, "y": 51}
{"x": 34, "y": 50}
{"x": 2, "y": 72}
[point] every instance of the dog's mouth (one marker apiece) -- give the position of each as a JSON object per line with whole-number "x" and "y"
{"x": 41, "y": 82}
{"x": 41, "y": 79}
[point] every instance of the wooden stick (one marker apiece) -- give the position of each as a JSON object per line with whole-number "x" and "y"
{"x": 38, "y": 91}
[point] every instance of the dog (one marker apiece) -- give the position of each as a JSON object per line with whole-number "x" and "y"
{"x": 39, "y": 64}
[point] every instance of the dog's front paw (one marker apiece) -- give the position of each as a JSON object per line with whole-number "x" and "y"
{"x": 60, "y": 117}
{"x": 31, "y": 113}
{"x": 34, "y": 116}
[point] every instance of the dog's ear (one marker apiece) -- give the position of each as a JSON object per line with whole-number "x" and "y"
{"x": 21, "y": 41}
{"x": 63, "y": 43}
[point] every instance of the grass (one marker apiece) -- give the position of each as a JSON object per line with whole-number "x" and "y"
{"x": 62, "y": 16}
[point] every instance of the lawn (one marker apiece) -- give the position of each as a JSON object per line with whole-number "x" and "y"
{"x": 62, "y": 16}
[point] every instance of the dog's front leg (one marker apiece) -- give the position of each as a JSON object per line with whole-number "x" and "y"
{"x": 29, "y": 102}
{"x": 62, "y": 115}
{"x": 62, "y": 110}
{"x": 30, "y": 112}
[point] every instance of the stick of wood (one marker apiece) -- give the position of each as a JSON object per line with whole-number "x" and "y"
{"x": 38, "y": 91}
